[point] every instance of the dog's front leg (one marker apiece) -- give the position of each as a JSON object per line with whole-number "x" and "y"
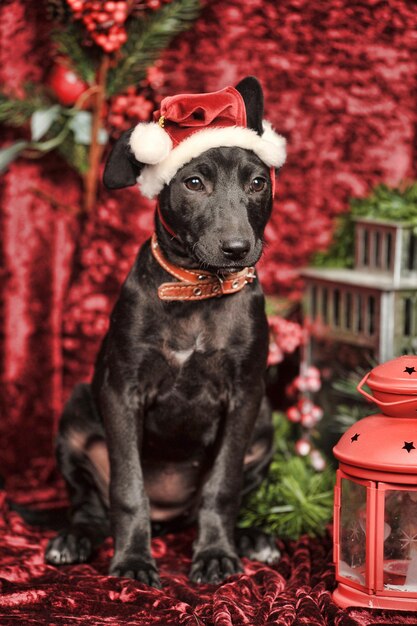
{"x": 129, "y": 504}
{"x": 215, "y": 557}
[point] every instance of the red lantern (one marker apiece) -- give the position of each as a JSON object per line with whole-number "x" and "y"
{"x": 375, "y": 514}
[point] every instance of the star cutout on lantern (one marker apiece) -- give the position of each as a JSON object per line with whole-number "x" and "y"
{"x": 408, "y": 445}
{"x": 354, "y": 438}
{"x": 410, "y": 370}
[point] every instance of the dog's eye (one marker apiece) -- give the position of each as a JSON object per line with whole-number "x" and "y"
{"x": 258, "y": 184}
{"x": 194, "y": 184}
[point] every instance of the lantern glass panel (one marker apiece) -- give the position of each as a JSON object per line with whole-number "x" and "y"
{"x": 353, "y": 531}
{"x": 400, "y": 540}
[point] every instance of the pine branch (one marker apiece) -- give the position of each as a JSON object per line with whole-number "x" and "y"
{"x": 16, "y": 112}
{"x": 69, "y": 44}
{"x": 147, "y": 39}
{"x": 294, "y": 499}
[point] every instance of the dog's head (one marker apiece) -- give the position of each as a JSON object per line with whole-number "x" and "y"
{"x": 215, "y": 188}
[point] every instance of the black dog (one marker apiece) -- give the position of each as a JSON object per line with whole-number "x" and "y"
{"x": 175, "y": 424}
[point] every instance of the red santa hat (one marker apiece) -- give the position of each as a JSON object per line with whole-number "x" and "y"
{"x": 187, "y": 125}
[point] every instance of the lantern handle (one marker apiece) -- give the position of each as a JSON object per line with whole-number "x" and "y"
{"x": 380, "y": 402}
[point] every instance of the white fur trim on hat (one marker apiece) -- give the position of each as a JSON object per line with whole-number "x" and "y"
{"x": 270, "y": 148}
{"x": 150, "y": 143}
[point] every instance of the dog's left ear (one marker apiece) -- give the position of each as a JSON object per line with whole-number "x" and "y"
{"x": 251, "y": 91}
{"x": 122, "y": 169}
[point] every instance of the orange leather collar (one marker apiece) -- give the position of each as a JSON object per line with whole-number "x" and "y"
{"x": 198, "y": 284}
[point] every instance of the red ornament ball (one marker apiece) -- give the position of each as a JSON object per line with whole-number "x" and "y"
{"x": 66, "y": 84}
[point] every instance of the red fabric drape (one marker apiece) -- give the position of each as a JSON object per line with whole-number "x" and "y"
{"x": 339, "y": 81}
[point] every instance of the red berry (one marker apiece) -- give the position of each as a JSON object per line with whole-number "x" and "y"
{"x": 119, "y": 104}
{"x": 293, "y": 414}
{"x": 303, "y": 447}
{"x": 307, "y": 420}
{"x": 117, "y": 121}
{"x": 101, "y": 40}
{"x": 102, "y": 17}
{"x": 317, "y": 461}
{"x": 119, "y": 16}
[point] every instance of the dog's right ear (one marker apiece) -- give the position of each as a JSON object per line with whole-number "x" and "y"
{"x": 122, "y": 169}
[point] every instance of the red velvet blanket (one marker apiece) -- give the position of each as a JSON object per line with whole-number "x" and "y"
{"x": 295, "y": 591}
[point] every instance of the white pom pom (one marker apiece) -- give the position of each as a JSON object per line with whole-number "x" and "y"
{"x": 150, "y": 143}
{"x": 273, "y": 149}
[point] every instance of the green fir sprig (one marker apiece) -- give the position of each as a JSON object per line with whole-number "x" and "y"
{"x": 295, "y": 498}
{"x": 84, "y": 60}
{"x": 147, "y": 39}
{"x": 16, "y": 112}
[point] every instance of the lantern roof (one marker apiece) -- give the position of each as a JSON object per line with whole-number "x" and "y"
{"x": 378, "y": 442}
{"x": 397, "y": 377}
{"x": 386, "y": 442}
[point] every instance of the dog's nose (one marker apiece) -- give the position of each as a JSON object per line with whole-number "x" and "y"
{"x": 235, "y": 249}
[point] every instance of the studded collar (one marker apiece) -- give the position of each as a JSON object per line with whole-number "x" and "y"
{"x": 198, "y": 284}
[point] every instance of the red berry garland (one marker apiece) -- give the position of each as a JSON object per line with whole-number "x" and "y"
{"x": 103, "y": 20}
{"x": 285, "y": 337}
{"x": 128, "y": 109}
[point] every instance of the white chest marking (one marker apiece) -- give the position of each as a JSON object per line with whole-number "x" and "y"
{"x": 181, "y": 356}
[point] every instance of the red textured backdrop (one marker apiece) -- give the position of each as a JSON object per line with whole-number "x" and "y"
{"x": 340, "y": 84}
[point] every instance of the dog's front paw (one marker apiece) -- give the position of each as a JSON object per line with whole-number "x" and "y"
{"x": 68, "y": 547}
{"x": 143, "y": 570}
{"x": 257, "y": 545}
{"x": 213, "y": 566}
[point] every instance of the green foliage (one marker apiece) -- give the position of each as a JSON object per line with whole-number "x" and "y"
{"x": 60, "y": 128}
{"x": 75, "y": 154}
{"x": 147, "y": 39}
{"x": 384, "y": 203}
{"x": 69, "y": 43}
{"x": 52, "y": 128}
{"x": 295, "y": 498}
{"x": 389, "y": 203}
{"x": 346, "y": 415}
{"x": 350, "y": 405}
{"x": 16, "y": 112}
{"x": 341, "y": 251}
